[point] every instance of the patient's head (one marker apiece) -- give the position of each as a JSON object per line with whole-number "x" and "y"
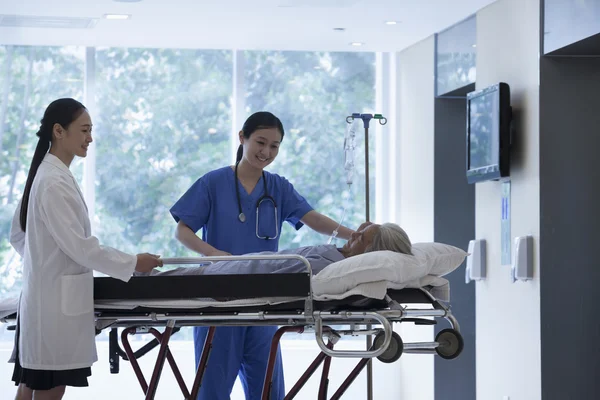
{"x": 373, "y": 237}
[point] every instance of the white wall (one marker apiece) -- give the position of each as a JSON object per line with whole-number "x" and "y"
{"x": 415, "y": 145}
{"x": 508, "y": 315}
{"x": 414, "y": 166}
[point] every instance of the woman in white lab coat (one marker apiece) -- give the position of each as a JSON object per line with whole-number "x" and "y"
{"x": 55, "y": 343}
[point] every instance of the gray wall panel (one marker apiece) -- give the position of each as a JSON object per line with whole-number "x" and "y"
{"x": 454, "y": 224}
{"x": 570, "y": 227}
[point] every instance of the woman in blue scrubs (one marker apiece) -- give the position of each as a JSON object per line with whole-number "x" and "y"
{"x": 224, "y": 203}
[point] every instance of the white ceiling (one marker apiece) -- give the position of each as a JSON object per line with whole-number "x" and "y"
{"x": 240, "y": 24}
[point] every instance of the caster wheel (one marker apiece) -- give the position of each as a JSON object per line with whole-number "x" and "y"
{"x": 394, "y": 350}
{"x": 450, "y": 344}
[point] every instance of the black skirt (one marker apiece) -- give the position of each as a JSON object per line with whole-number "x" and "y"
{"x": 38, "y": 379}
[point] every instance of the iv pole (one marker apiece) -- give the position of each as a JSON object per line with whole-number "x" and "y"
{"x": 382, "y": 121}
{"x": 366, "y": 118}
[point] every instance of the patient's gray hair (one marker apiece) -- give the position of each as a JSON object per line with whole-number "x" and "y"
{"x": 391, "y": 237}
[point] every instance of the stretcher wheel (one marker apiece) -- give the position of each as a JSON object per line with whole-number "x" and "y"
{"x": 394, "y": 350}
{"x": 450, "y": 344}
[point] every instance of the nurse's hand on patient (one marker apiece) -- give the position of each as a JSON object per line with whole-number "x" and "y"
{"x": 363, "y": 226}
{"x": 146, "y": 262}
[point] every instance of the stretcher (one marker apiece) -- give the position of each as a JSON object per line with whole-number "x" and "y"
{"x": 161, "y": 305}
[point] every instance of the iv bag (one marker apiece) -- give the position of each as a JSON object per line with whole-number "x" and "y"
{"x": 349, "y": 176}
{"x": 349, "y": 146}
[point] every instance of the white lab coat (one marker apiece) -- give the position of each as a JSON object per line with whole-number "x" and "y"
{"x": 56, "y": 310}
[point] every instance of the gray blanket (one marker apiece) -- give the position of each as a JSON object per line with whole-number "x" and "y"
{"x": 318, "y": 256}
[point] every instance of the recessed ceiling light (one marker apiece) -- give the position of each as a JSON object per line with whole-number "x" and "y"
{"x": 356, "y": 44}
{"x": 391, "y": 22}
{"x": 339, "y": 29}
{"x": 473, "y": 45}
{"x": 117, "y": 16}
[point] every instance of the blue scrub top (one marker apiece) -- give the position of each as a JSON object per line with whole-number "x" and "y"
{"x": 211, "y": 204}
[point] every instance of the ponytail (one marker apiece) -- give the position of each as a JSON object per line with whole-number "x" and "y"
{"x": 40, "y": 152}
{"x": 62, "y": 112}
{"x": 240, "y": 153}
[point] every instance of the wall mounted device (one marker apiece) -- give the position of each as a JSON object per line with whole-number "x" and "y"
{"x": 522, "y": 268}
{"x": 476, "y": 268}
{"x": 489, "y": 131}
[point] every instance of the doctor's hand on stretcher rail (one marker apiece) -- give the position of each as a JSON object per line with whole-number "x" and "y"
{"x": 146, "y": 262}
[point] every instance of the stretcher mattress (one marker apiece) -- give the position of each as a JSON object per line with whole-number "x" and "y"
{"x": 254, "y": 292}
{"x": 188, "y": 292}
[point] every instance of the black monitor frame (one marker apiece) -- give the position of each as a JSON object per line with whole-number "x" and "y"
{"x": 502, "y": 168}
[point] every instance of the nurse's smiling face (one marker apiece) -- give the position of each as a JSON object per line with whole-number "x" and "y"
{"x": 261, "y": 148}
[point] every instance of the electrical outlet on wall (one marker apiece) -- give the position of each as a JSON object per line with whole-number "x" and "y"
{"x": 505, "y": 397}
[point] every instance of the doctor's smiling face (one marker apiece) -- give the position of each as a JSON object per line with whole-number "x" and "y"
{"x": 74, "y": 139}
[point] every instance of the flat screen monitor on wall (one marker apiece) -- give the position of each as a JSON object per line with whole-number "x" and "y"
{"x": 488, "y": 133}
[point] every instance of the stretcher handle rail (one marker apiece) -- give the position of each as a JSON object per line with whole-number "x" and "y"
{"x": 202, "y": 260}
{"x": 453, "y": 322}
{"x": 420, "y": 346}
{"x": 419, "y": 351}
{"x": 387, "y": 330}
{"x": 424, "y": 313}
{"x": 356, "y": 317}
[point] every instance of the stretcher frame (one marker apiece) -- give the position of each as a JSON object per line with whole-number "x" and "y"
{"x": 296, "y": 316}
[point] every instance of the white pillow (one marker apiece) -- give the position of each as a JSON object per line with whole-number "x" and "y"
{"x": 427, "y": 259}
{"x": 441, "y": 258}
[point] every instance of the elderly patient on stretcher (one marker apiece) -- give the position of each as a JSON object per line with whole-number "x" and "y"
{"x": 369, "y": 237}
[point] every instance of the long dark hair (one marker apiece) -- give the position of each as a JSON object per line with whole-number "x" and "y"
{"x": 258, "y": 120}
{"x": 63, "y": 112}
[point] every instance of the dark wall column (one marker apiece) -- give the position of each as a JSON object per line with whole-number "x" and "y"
{"x": 454, "y": 224}
{"x": 570, "y": 227}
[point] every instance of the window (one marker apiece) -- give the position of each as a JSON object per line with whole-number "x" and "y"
{"x": 163, "y": 121}
{"x": 162, "y": 118}
{"x": 30, "y": 78}
{"x": 312, "y": 93}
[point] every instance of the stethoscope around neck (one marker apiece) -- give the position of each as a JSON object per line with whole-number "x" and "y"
{"x": 263, "y": 198}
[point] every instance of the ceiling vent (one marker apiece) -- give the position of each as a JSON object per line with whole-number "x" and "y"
{"x": 32, "y": 21}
